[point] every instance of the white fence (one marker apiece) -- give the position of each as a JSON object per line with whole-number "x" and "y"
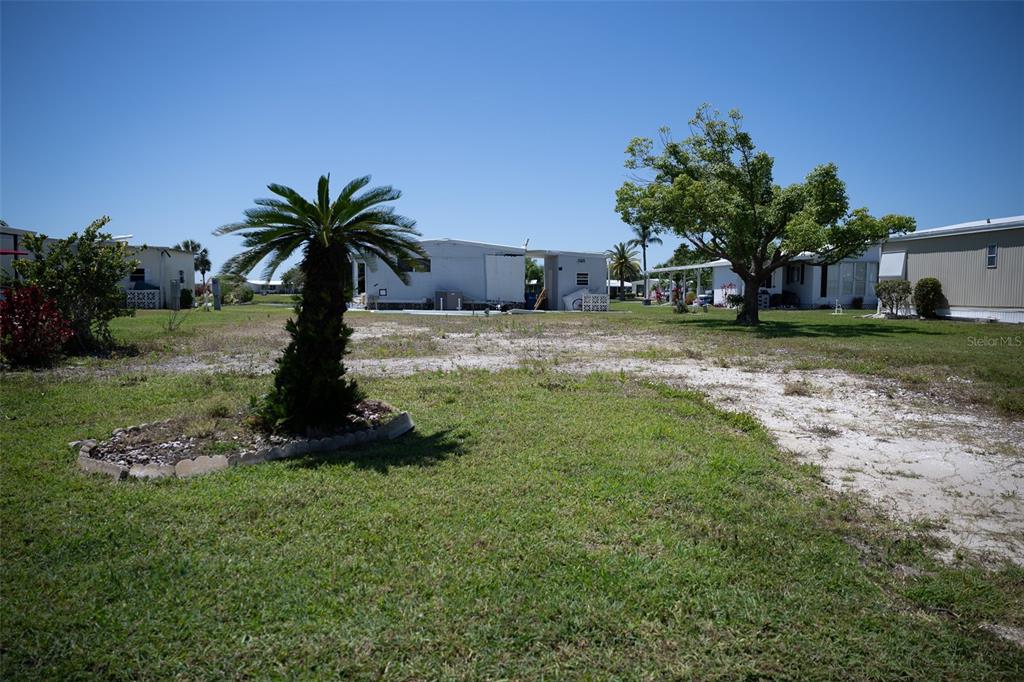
{"x": 143, "y": 298}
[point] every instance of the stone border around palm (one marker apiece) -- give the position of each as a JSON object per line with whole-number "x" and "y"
{"x": 398, "y": 426}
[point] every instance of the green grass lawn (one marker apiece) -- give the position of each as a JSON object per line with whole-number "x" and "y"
{"x": 532, "y": 526}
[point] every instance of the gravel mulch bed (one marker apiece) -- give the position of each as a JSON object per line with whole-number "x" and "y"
{"x": 173, "y": 440}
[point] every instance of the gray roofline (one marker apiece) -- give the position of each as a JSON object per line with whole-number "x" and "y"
{"x": 988, "y": 225}
{"x": 540, "y": 253}
{"x": 445, "y": 240}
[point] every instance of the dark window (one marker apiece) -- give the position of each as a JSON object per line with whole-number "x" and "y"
{"x": 824, "y": 281}
{"x": 766, "y": 283}
{"x": 138, "y": 275}
{"x": 181, "y": 276}
{"x": 990, "y": 256}
{"x": 414, "y": 265}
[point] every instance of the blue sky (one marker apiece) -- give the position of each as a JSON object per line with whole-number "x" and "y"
{"x": 499, "y": 122}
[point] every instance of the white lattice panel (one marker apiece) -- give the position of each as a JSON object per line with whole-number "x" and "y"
{"x": 143, "y": 298}
{"x": 595, "y": 303}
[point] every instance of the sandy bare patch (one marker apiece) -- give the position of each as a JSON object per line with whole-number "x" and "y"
{"x": 960, "y": 472}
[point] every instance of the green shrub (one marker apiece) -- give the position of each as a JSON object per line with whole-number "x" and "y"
{"x": 928, "y": 297}
{"x": 893, "y": 294}
{"x": 82, "y": 275}
{"x": 185, "y": 299}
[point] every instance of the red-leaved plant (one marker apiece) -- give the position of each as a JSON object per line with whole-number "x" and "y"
{"x": 32, "y": 330}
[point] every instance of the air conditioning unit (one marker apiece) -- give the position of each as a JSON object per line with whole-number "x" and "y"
{"x": 447, "y": 300}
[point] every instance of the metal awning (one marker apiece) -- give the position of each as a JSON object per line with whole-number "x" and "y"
{"x": 696, "y": 266}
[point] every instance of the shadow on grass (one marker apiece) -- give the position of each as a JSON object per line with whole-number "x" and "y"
{"x": 771, "y": 329}
{"x": 414, "y": 449}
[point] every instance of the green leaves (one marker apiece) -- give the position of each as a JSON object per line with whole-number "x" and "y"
{"x": 83, "y": 274}
{"x": 718, "y": 193}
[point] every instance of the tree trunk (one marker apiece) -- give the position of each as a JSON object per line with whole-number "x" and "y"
{"x": 310, "y": 389}
{"x": 643, "y": 248}
{"x": 749, "y": 312}
{"x": 622, "y": 288}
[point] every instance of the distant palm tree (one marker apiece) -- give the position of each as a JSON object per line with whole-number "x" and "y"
{"x": 622, "y": 265}
{"x": 200, "y": 257}
{"x": 310, "y": 389}
{"x": 644, "y": 236}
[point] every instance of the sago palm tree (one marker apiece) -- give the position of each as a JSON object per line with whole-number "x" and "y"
{"x": 310, "y": 387}
{"x": 622, "y": 265}
{"x": 644, "y": 236}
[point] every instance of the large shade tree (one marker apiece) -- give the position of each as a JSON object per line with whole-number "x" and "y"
{"x": 622, "y": 265}
{"x": 310, "y": 387}
{"x": 716, "y": 191}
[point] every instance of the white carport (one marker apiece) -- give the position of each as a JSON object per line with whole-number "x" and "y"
{"x": 721, "y": 276}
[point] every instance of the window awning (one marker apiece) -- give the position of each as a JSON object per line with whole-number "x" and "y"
{"x": 892, "y": 264}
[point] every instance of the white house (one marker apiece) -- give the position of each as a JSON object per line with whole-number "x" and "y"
{"x": 568, "y": 275}
{"x": 160, "y": 274}
{"x": 456, "y": 274}
{"x": 803, "y": 283}
{"x": 467, "y": 275}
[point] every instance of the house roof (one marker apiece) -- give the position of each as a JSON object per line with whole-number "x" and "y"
{"x": 987, "y": 225}
{"x": 540, "y": 253}
{"x": 444, "y": 240}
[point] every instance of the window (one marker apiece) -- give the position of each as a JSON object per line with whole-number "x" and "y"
{"x": 414, "y": 265}
{"x": 860, "y": 271}
{"x": 833, "y": 281}
{"x": 181, "y": 276}
{"x": 990, "y": 256}
{"x": 583, "y": 279}
{"x": 846, "y": 278}
{"x": 138, "y": 275}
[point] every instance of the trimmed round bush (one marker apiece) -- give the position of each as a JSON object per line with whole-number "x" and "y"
{"x": 185, "y": 299}
{"x": 928, "y": 297}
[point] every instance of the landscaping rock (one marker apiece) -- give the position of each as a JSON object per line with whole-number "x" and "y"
{"x": 86, "y": 446}
{"x": 275, "y": 453}
{"x": 75, "y": 444}
{"x": 187, "y": 468}
{"x": 96, "y": 466}
{"x": 151, "y": 471}
{"x": 398, "y": 426}
{"x": 251, "y": 458}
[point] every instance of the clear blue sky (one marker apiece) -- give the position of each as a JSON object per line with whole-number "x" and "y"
{"x": 498, "y": 121}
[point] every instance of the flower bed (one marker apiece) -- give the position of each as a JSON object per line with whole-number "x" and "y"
{"x": 188, "y": 447}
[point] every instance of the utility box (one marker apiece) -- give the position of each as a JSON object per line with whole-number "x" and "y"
{"x": 448, "y": 300}
{"x": 175, "y": 302}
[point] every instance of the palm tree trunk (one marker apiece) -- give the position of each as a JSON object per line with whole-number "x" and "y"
{"x": 310, "y": 386}
{"x": 643, "y": 247}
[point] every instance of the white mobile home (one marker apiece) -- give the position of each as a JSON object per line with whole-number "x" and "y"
{"x": 456, "y": 274}
{"x": 160, "y": 274}
{"x": 803, "y": 283}
{"x": 570, "y": 274}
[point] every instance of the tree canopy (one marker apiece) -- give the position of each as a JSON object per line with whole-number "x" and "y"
{"x": 717, "y": 191}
